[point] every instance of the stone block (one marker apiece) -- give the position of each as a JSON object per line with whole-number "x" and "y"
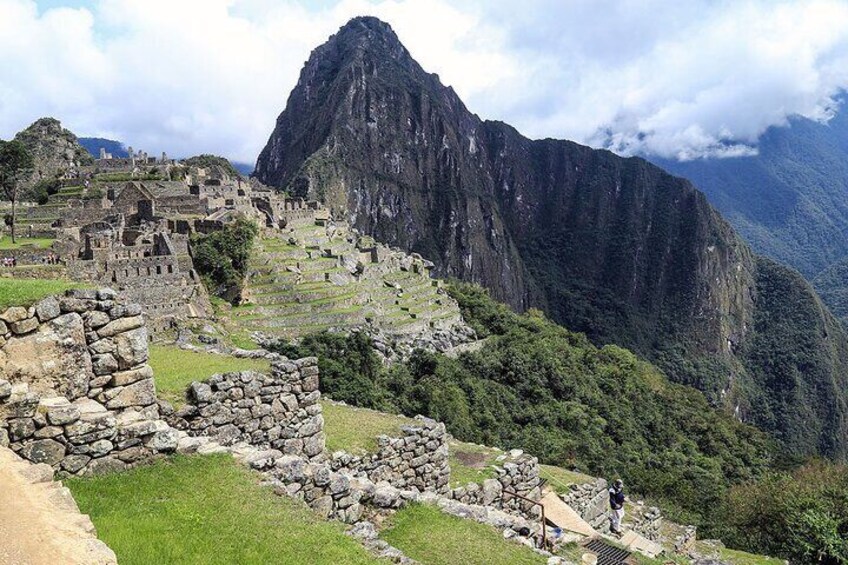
{"x": 43, "y": 451}
{"x": 21, "y": 428}
{"x": 120, "y": 325}
{"x": 200, "y": 392}
{"x": 290, "y": 469}
{"x": 24, "y": 326}
{"x": 97, "y": 319}
{"x": 105, "y": 364}
{"x": 131, "y": 376}
{"x": 101, "y": 447}
{"x": 48, "y": 432}
{"x": 73, "y": 463}
{"x": 105, "y": 465}
{"x": 5, "y": 389}
{"x": 164, "y": 441}
{"x": 47, "y": 309}
{"x": 131, "y": 347}
{"x": 14, "y": 314}
{"x": 141, "y": 393}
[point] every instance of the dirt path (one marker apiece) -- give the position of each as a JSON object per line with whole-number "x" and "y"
{"x": 40, "y": 523}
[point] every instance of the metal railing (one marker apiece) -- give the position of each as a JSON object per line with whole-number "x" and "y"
{"x": 535, "y": 503}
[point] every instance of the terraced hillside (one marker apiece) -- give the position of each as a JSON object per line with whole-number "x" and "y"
{"x": 315, "y": 277}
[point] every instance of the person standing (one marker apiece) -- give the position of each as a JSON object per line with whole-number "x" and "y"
{"x": 616, "y": 499}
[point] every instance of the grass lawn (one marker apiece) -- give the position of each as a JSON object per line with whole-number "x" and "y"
{"x": 355, "y": 430}
{"x": 34, "y": 242}
{"x": 432, "y": 537}
{"x": 207, "y": 509}
{"x": 174, "y": 368}
{"x": 25, "y": 292}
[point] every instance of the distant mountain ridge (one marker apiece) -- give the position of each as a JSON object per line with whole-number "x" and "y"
{"x": 94, "y": 144}
{"x": 790, "y": 201}
{"x": 613, "y": 247}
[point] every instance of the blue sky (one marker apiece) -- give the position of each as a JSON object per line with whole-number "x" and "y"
{"x": 678, "y": 79}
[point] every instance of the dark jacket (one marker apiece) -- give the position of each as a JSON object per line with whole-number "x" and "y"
{"x": 616, "y": 499}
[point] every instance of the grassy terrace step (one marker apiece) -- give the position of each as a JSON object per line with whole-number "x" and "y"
{"x": 428, "y": 535}
{"x": 211, "y": 510}
{"x": 174, "y": 368}
{"x": 25, "y": 292}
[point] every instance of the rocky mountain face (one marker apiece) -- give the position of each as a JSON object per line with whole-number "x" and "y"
{"x": 54, "y": 149}
{"x": 613, "y": 247}
{"x": 789, "y": 200}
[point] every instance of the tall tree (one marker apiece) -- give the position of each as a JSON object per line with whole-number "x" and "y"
{"x": 15, "y": 164}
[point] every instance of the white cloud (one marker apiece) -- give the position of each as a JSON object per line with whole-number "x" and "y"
{"x": 187, "y": 76}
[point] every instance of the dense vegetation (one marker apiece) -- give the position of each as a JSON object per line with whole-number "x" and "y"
{"x": 540, "y": 387}
{"x": 221, "y": 257}
{"x": 211, "y": 510}
{"x": 801, "y": 516}
{"x": 212, "y": 161}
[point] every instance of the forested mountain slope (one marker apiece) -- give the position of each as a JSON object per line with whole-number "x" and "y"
{"x": 613, "y": 247}
{"x": 790, "y": 201}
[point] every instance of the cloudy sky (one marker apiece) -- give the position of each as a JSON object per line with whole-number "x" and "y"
{"x": 678, "y": 79}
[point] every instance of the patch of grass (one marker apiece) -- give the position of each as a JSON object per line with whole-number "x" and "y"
{"x": 355, "y": 430}
{"x": 470, "y": 463}
{"x": 742, "y": 558}
{"x": 430, "y": 536}
{"x": 25, "y": 292}
{"x": 560, "y": 479}
{"x": 207, "y": 509}
{"x": 174, "y": 368}
{"x": 33, "y": 242}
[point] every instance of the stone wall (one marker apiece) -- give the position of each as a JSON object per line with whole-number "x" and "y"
{"x": 280, "y": 410}
{"x": 418, "y": 459}
{"x": 591, "y": 501}
{"x": 517, "y": 473}
{"x": 76, "y": 391}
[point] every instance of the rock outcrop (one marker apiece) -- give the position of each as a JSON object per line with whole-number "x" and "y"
{"x": 55, "y": 150}
{"x": 613, "y": 247}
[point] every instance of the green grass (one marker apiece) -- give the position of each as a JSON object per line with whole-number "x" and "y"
{"x": 33, "y": 242}
{"x": 560, "y": 479}
{"x": 25, "y": 292}
{"x": 355, "y": 430}
{"x": 742, "y": 558}
{"x": 210, "y": 510}
{"x": 471, "y": 463}
{"x": 174, "y": 368}
{"x": 426, "y": 534}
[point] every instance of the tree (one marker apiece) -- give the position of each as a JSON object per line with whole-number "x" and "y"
{"x": 15, "y": 164}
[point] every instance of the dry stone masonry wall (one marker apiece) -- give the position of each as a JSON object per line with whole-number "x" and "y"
{"x": 517, "y": 473}
{"x": 418, "y": 459}
{"x": 280, "y": 410}
{"x": 76, "y": 391}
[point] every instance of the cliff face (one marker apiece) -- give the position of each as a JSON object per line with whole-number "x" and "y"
{"x": 613, "y": 247}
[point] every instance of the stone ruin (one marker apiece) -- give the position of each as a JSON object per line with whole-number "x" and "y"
{"x": 77, "y": 395}
{"x": 76, "y": 392}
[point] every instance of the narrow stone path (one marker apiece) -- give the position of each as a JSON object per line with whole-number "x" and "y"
{"x": 40, "y": 523}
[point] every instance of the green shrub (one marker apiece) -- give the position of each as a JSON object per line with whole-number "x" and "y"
{"x": 221, "y": 257}
{"x": 801, "y": 516}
